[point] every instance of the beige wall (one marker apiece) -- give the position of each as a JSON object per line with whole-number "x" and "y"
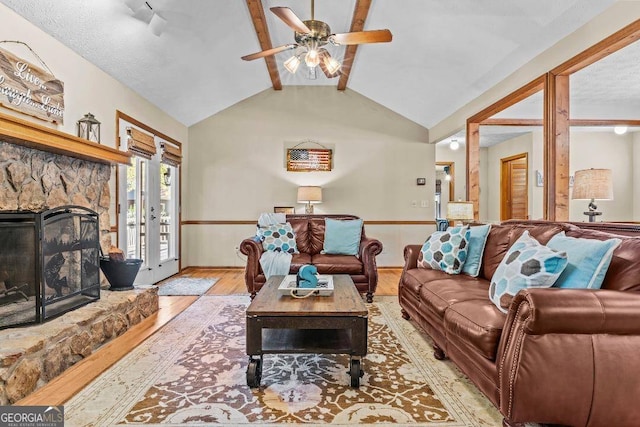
{"x": 239, "y": 170}
{"x": 609, "y": 151}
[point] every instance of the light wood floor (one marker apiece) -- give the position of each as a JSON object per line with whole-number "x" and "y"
{"x": 230, "y": 282}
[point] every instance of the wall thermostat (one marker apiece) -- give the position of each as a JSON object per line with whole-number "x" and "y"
{"x": 421, "y": 181}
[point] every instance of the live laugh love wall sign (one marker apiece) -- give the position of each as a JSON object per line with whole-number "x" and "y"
{"x": 29, "y": 89}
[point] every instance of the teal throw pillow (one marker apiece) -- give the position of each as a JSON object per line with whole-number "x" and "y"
{"x": 445, "y": 250}
{"x": 279, "y": 238}
{"x": 588, "y": 260}
{"x": 527, "y": 264}
{"x": 477, "y": 241}
{"x": 342, "y": 237}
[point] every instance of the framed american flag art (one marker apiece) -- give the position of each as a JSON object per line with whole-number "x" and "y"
{"x": 309, "y": 160}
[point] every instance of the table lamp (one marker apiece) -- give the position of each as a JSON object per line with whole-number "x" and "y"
{"x": 459, "y": 212}
{"x": 592, "y": 184}
{"x": 310, "y": 196}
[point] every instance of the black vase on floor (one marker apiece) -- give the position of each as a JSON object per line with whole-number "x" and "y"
{"x": 120, "y": 274}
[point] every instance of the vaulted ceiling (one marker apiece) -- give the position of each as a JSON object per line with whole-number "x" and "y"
{"x": 443, "y": 53}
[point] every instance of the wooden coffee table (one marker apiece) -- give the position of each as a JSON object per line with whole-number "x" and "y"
{"x": 335, "y": 324}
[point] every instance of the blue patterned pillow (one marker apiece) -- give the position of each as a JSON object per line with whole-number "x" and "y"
{"x": 588, "y": 260}
{"x": 279, "y": 238}
{"x": 527, "y": 264}
{"x": 445, "y": 250}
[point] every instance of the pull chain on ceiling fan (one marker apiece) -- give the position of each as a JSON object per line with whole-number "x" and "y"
{"x": 311, "y": 36}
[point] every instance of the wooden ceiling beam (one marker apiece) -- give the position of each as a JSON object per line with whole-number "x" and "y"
{"x": 572, "y": 122}
{"x": 618, "y": 40}
{"x": 357, "y": 24}
{"x": 603, "y": 122}
{"x": 511, "y": 122}
{"x": 262, "y": 31}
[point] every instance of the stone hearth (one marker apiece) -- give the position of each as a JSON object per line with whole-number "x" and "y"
{"x": 32, "y": 356}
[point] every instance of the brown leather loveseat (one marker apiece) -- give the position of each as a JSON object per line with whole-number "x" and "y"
{"x": 559, "y": 356}
{"x": 309, "y": 231}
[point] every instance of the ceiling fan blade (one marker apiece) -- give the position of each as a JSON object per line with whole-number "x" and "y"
{"x": 361, "y": 37}
{"x": 323, "y": 66}
{"x": 291, "y": 19}
{"x": 269, "y": 52}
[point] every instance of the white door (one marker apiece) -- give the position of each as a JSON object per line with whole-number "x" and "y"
{"x": 148, "y": 216}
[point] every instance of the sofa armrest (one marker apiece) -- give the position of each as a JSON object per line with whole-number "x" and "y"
{"x": 576, "y": 311}
{"x": 411, "y": 253}
{"x": 579, "y": 347}
{"x": 369, "y": 249}
{"x": 252, "y": 248}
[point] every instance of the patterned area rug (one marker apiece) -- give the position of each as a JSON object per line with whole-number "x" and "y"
{"x": 186, "y": 286}
{"x": 193, "y": 372}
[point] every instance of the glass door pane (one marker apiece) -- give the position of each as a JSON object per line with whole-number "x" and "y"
{"x": 136, "y": 209}
{"x": 167, "y": 213}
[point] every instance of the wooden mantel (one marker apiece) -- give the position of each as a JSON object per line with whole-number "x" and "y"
{"x": 29, "y": 134}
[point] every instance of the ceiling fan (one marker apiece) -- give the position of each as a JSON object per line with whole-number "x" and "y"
{"x": 311, "y": 36}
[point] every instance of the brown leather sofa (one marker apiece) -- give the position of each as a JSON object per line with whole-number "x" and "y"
{"x": 309, "y": 231}
{"x": 559, "y": 356}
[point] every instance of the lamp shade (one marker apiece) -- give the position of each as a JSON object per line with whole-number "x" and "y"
{"x": 460, "y": 211}
{"x": 309, "y": 194}
{"x": 593, "y": 184}
{"x": 292, "y": 64}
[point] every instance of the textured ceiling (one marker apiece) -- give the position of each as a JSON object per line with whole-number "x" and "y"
{"x": 443, "y": 54}
{"x": 607, "y": 89}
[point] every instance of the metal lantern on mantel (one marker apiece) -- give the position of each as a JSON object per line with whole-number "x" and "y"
{"x": 89, "y": 128}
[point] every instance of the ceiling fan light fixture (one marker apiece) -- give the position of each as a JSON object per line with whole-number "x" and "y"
{"x": 311, "y": 36}
{"x": 292, "y": 64}
{"x": 332, "y": 64}
{"x": 312, "y": 58}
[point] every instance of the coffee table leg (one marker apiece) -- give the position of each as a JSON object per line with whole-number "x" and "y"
{"x": 254, "y": 371}
{"x": 356, "y": 372}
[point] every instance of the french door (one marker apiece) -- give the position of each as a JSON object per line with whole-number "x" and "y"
{"x": 147, "y": 222}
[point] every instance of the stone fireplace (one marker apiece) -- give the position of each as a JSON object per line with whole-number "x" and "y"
{"x": 35, "y": 185}
{"x": 58, "y": 178}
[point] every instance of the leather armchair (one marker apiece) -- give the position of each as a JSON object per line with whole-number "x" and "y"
{"x": 309, "y": 230}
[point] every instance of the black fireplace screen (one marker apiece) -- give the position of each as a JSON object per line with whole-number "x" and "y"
{"x": 49, "y": 263}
